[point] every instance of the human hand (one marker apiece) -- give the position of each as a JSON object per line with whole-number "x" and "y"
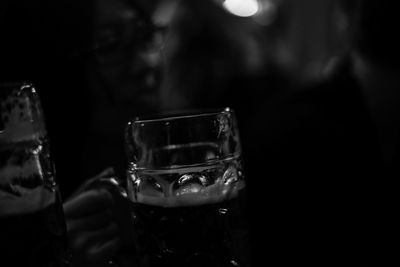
{"x": 92, "y": 229}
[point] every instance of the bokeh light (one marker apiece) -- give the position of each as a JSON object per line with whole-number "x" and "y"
{"x": 242, "y": 8}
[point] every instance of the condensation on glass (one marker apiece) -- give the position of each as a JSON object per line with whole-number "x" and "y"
{"x": 187, "y": 190}
{"x": 32, "y": 225}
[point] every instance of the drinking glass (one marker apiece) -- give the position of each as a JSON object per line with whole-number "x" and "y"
{"x": 186, "y": 190}
{"x": 32, "y": 224}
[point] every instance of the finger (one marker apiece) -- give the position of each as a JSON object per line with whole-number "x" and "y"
{"x": 104, "y": 174}
{"x": 82, "y": 242}
{"x": 107, "y": 172}
{"x": 105, "y": 251}
{"x": 87, "y": 203}
{"x": 91, "y": 222}
{"x": 99, "y": 255}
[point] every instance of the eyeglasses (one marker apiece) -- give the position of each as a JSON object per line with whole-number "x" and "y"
{"x": 114, "y": 42}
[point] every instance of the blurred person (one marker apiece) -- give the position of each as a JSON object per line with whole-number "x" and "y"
{"x": 95, "y": 64}
{"x": 123, "y": 67}
{"x": 216, "y": 59}
{"x": 124, "y": 74}
{"x": 327, "y": 156}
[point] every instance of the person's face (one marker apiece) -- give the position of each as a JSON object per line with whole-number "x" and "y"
{"x": 127, "y": 55}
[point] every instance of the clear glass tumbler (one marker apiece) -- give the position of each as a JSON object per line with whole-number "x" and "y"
{"x": 32, "y": 226}
{"x": 187, "y": 190}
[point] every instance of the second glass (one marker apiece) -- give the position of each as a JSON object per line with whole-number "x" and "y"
{"x": 32, "y": 226}
{"x": 187, "y": 190}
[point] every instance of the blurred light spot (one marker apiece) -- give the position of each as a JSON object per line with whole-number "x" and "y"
{"x": 241, "y": 8}
{"x": 267, "y": 12}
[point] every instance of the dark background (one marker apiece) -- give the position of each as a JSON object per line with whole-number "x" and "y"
{"x": 213, "y": 59}
{"x": 219, "y": 60}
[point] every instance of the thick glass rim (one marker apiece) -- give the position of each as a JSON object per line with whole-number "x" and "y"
{"x": 180, "y": 114}
{"x": 7, "y": 88}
